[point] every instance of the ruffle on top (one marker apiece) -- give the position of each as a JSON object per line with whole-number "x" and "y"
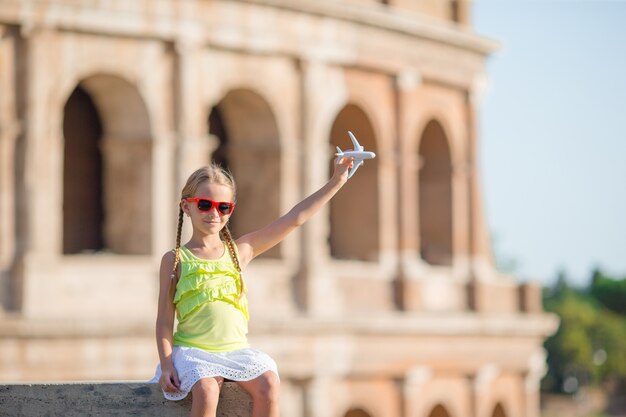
{"x": 203, "y": 281}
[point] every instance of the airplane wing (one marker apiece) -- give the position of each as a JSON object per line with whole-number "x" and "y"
{"x": 357, "y": 164}
{"x": 357, "y": 146}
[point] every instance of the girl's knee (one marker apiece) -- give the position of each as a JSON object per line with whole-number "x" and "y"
{"x": 207, "y": 390}
{"x": 268, "y": 386}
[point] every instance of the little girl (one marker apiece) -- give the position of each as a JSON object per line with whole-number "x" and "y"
{"x": 201, "y": 283}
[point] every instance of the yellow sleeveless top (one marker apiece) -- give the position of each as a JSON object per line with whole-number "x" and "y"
{"x": 210, "y": 314}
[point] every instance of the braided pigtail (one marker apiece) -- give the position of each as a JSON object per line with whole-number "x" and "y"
{"x": 228, "y": 238}
{"x": 173, "y": 279}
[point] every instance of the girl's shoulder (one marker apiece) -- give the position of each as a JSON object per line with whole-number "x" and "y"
{"x": 169, "y": 257}
{"x": 167, "y": 264}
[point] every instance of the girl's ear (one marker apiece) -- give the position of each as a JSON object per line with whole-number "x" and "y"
{"x": 185, "y": 206}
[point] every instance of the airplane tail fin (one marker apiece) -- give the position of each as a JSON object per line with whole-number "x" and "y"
{"x": 339, "y": 151}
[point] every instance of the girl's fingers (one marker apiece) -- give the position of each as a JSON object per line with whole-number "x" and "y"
{"x": 171, "y": 387}
{"x": 342, "y": 160}
{"x": 170, "y": 383}
{"x": 342, "y": 165}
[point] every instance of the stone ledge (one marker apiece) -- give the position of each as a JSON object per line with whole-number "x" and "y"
{"x": 453, "y": 323}
{"x": 110, "y": 399}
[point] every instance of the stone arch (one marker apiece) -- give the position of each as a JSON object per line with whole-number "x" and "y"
{"x": 435, "y": 195}
{"x": 498, "y": 411}
{"x": 357, "y": 412}
{"x": 357, "y": 206}
{"x": 108, "y": 163}
{"x": 439, "y": 411}
{"x": 248, "y": 144}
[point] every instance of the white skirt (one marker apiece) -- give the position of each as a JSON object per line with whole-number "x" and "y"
{"x": 193, "y": 364}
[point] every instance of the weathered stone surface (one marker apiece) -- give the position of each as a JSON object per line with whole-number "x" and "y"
{"x": 109, "y": 399}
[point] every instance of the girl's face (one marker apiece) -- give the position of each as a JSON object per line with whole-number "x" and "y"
{"x": 211, "y": 221}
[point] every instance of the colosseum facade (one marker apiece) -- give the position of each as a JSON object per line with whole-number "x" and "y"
{"x": 386, "y": 304}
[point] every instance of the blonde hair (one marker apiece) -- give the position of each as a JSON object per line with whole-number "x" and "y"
{"x": 214, "y": 174}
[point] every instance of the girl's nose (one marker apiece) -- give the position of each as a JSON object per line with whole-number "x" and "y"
{"x": 214, "y": 213}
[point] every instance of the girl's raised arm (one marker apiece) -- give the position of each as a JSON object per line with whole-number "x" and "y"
{"x": 255, "y": 243}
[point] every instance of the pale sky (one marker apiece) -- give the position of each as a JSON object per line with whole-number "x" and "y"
{"x": 553, "y": 135}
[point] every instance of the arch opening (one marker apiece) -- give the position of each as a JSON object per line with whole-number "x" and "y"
{"x": 435, "y": 196}
{"x": 439, "y": 411}
{"x": 357, "y": 412}
{"x": 83, "y": 208}
{"x": 107, "y": 191}
{"x": 498, "y": 411}
{"x": 356, "y": 208}
{"x": 249, "y": 146}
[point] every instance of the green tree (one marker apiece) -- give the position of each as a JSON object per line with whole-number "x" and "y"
{"x": 589, "y": 348}
{"x": 610, "y": 292}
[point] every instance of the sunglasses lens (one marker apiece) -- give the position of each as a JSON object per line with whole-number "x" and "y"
{"x": 204, "y": 205}
{"x": 225, "y": 208}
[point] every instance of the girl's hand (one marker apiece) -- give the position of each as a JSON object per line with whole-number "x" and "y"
{"x": 169, "y": 381}
{"x": 342, "y": 168}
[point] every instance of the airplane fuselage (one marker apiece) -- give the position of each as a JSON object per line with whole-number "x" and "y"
{"x": 357, "y": 154}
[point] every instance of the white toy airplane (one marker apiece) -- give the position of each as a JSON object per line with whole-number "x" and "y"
{"x": 358, "y": 154}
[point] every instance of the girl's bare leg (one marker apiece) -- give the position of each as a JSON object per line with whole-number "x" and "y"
{"x": 205, "y": 394}
{"x": 264, "y": 391}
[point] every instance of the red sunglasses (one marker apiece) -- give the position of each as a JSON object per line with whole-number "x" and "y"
{"x": 204, "y": 204}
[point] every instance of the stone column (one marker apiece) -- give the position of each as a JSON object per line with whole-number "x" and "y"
{"x": 480, "y": 246}
{"x": 164, "y": 197}
{"x": 387, "y": 183}
{"x": 7, "y": 217}
{"x": 413, "y": 385}
{"x": 481, "y": 267}
{"x": 8, "y": 136}
{"x": 318, "y": 397}
{"x": 409, "y": 165}
{"x": 9, "y": 132}
{"x": 481, "y": 384}
{"x": 461, "y": 221}
{"x": 193, "y": 146}
{"x": 322, "y": 86}
{"x": 408, "y": 285}
{"x": 461, "y": 136}
{"x": 39, "y": 158}
{"x": 537, "y": 369}
{"x": 42, "y": 155}
{"x": 163, "y": 180}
